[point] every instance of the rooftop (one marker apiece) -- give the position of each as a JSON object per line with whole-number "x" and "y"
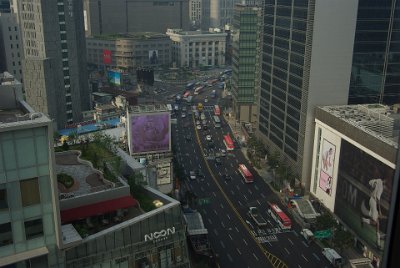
{"x": 148, "y": 108}
{"x": 133, "y": 36}
{"x": 380, "y": 121}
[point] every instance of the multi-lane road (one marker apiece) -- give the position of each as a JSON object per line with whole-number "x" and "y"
{"x": 234, "y": 236}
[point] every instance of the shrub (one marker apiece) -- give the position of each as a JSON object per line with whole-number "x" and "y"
{"x": 65, "y": 180}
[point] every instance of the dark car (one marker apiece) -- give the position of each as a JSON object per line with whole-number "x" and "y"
{"x": 218, "y": 161}
{"x": 188, "y": 137}
{"x": 210, "y": 144}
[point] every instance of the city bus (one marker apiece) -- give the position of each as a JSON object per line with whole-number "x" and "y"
{"x": 217, "y": 110}
{"x": 217, "y": 122}
{"x": 279, "y": 216}
{"x": 228, "y": 143}
{"x": 246, "y": 174}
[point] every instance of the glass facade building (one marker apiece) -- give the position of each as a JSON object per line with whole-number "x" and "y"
{"x": 245, "y": 60}
{"x": 157, "y": 240}
{"x": 375, "y": 75}
{"x": 28, "y": 213}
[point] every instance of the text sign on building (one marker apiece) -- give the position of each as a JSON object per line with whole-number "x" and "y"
{"x": 159, "y": 236}
{"x": 107, "y": 56}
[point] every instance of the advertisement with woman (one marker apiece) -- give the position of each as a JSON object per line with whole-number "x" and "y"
{"x": 327, "y": 164}
{"x": 364, "y": 194}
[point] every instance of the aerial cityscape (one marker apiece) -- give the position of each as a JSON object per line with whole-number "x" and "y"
{"x": 199, "y": 133}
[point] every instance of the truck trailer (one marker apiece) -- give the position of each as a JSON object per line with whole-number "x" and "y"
{"x": 256, "y": 216}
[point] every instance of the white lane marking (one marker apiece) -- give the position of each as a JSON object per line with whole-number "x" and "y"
{"x": 245, "y": 242}
{"x": 222, "y": 206}
{"x": 209, "y": 220}
{"x": 216, "y": 213}
{"x": 240, "y": 203}
{"x": 222, "y": 244}
{"x": 232, "y": 192}
{"x": 230, "y": 237}
{"x": 242, "y": 181}
{"x": 305, "y": 244}
{"x": 237, "y": 230}
{"x": 304, "y": 257}
{"x": 214, "y": 194}
{"x": 255, "y": 256}
{"x": 229, "y": 257}
{"x": 228, "y": 216}
{"x": 249, "y": 191}
{"x": 208, "y": 184}
{"x": 245, "y": 197}
{"x": 299, "y": 265}
{"x": 240, "y": 253}
{"x": 215, "y": 231}
{"x": 258, "y": 202}
{"x": 255, "y": 186}
{"x": 237, "y": 186}
{"x": 231, "y": 164}
{"x": 262, "y": 195}
{"x": 315, "y": 256}
{"x": 291, "y": 242}
{"x": 287, "y": 251}
{"x": 204, "y": 212}
{"x": 201, "y": 188}
{"x": 222, "y": 223}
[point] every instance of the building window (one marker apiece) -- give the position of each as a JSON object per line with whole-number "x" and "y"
{"x": 6, "y": 237}
{"x": 30, "y": 194}
{"x": 33, "y": 229}
{"x": 3, "y": 197}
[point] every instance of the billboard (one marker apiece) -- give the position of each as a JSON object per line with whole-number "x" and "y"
{"x": 363, "y": 195}
{"x": 114, "y": 77}
{"x": 107, "y": 56}
{"x": 163, "y": 173}
{"x": 327, "y": 164}
{"x": 153, "y": 56}
{"x": 150, "y": 132}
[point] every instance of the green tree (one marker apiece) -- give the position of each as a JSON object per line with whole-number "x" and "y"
{"x": 342, "y": 239}
{"x": 325, "y": 222}
{"x": 73, "y": 136}
{"x": 65, "y": 146}
{"x": 274, "y": 159}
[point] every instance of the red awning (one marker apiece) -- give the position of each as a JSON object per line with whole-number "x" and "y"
{"x": 99, "y": 208}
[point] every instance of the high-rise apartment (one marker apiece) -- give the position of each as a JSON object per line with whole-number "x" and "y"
{"x": 55, "y": 75}
{"x": 10, "y": 45}
{"x": 375, "y": 72}
{"x": 246, "y": 61}
{"x": 29, "y": 218}
{"x": 121, "y": 16}
{"x": 306, "y": 61}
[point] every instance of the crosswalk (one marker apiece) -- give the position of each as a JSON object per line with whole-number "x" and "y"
{"x": 264, "y": 237}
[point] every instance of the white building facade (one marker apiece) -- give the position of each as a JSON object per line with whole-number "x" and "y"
{"x": 196, "y": 49}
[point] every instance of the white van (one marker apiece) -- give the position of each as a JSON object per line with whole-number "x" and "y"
{"x": 333, "y": 257}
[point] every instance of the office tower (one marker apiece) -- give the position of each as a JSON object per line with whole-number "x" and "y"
{"x": 121, "y": 16}
{"x": 221, "y": 12}
{"x": 195, "y": 15}
{"x": 306, "y": 61}
{"x": 375, "y": 73}
{"x": 55, "y": 75}
{"x": 29, "y": 225}
{"x": 4, "y": 6}
{"x": 246, "y": 61}
{"x": 10, "y": 45}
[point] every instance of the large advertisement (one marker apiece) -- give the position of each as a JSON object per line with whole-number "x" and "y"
{"x": 163, "y": 173}
{"x": 114, "y": 77}
{"x": 153, "y": 56}
{"x": 150, "y": 133}
{"x": 327, "y": 164}
{"x": 107, "y": 56}
{"x": 364, "y": 194}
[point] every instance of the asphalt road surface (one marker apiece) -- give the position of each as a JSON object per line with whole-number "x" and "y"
{"x": 234, "y": 236}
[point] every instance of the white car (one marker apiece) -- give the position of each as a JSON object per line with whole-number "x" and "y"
{"x": 205, "y": 100}
{"x": 198, "y": 127}
{"x": 208, "y": 137}
{"x": 183, "y": 115}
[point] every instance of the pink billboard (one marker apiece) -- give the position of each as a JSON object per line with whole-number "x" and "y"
{"x": 150, "y": 133}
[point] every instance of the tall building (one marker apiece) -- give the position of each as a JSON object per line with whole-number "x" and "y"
{"x": 195, "y": 14}
{"x": 375, "y": 73}
{"x": 121, "y": 16}
{"x": 246, "y": 61}
{"x": 29, "y": 216}
{"x": 55, "y": 74}
{"x": 4, "y": 6}
{"x": 221, "y": 12}
{"x": 10, "y": 45}
{"x": 306, "y": 61}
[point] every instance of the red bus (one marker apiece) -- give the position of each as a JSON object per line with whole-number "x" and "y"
{"x": 279, "y": 216}
{"x": 228, "y": 143}
{"x": 187, "y": 94}
{"x": 247, "y": 176}
{"x": 217, "y": 110}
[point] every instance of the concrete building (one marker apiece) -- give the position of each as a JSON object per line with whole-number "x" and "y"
{"x": 30, "y": 234}
{"x": 353, "y": 168}
{"x": 195, "y": 14}
{"x": 306, "y": 62}
{"x": 221, "y": 12}
{"x": 129, "y": 51}
{"x": 246, "y": 60}
{"x": 121, "y": 16}
{"x": 10, "y": 45}
{"x": 4, "y": 6}
{"x": 196, "y": 48}
{"x": 54, "y": 68}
